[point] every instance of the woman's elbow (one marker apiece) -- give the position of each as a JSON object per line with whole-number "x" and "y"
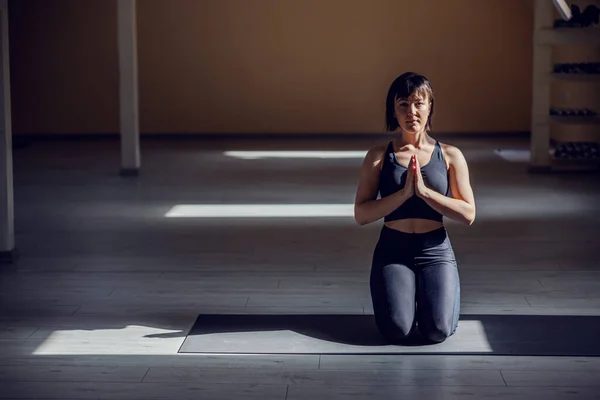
{"x": 359, "y": 218}
{"x": 470, "y": 217}
{"x": 360, "y": 222}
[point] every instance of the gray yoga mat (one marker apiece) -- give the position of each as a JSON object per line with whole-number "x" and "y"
{"x": 541, "y": 335}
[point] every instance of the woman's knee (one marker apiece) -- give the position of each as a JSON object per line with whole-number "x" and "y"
{"x": 395, "y": 328}
{"x": 436, "y": 332}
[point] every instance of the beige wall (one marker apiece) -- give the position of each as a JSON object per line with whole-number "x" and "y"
{"x": 307, "y": 66}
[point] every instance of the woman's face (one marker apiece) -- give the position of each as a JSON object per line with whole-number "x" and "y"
{"x": 412, "y": 113}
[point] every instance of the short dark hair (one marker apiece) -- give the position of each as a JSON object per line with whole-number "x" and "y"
{"x": 403, "y": 87}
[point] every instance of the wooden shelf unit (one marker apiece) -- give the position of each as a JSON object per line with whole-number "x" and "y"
{"x": 581, "y": 78}
{"x": 545, "y": 38}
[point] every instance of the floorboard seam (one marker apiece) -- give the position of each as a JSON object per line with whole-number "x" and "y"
{"x": 502, "y": 375}
{"x": 144, "y": 377}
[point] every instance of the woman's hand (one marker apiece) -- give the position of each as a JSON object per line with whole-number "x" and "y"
{"x": 420, "y": 188}
{"x": 409, "y": 186}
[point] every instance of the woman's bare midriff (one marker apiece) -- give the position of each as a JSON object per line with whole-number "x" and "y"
{"x": 414, "y": 225}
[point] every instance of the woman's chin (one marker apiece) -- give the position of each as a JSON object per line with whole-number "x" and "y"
{"x": 412, "y": 128}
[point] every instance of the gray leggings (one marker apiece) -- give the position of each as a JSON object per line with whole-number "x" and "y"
{"x": 415, "y": 286}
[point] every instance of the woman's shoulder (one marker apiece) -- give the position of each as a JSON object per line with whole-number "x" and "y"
{"x": 376, "y": 153}
{"x": 378, "y": 150}
{"x": 452, "y": 154}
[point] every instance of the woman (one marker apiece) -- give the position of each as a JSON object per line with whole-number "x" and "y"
{"x": 414, "y": 275}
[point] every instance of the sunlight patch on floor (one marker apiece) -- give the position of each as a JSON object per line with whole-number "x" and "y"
{"x": 260, "y": 210}
{"x": 130, "y": 340}
{"x": 322, "y": 154}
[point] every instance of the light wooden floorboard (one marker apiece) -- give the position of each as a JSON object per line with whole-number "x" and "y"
{"x": 16, "y": 332}
{"x": 332, "y": 378}
{"x": 141, "y": 391}
{"x": 551, "y": 378}
{"x": 32, "y": 373}
{"x": 470, "y": 362}
{"x": 438, "y": 393}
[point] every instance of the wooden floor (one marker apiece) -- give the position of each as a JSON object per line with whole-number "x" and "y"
{"x": 107, "y": 285}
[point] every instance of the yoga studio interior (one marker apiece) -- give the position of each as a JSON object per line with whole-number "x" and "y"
{"x": 191, "y": 203}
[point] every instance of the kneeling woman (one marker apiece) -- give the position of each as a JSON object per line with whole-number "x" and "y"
{"x": 414, "y": 278}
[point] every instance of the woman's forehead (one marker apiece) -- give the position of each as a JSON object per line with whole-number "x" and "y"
{"x": 417, "y": 95}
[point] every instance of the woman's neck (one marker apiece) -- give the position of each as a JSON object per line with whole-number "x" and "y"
{"x": 417, "y": 140}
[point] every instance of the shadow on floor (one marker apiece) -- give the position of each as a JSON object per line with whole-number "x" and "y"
{"x": 541, "y": 335}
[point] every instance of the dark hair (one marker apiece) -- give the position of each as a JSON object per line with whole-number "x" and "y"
{"x": 402, "y": 88}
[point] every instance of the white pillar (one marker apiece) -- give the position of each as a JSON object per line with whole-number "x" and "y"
{"x": 128, "y": 87}
{"x": 7, "y": 228}
{"x": 541, "y": 89}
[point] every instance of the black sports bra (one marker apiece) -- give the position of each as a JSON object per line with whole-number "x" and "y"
{"x": 393, "y": 177}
